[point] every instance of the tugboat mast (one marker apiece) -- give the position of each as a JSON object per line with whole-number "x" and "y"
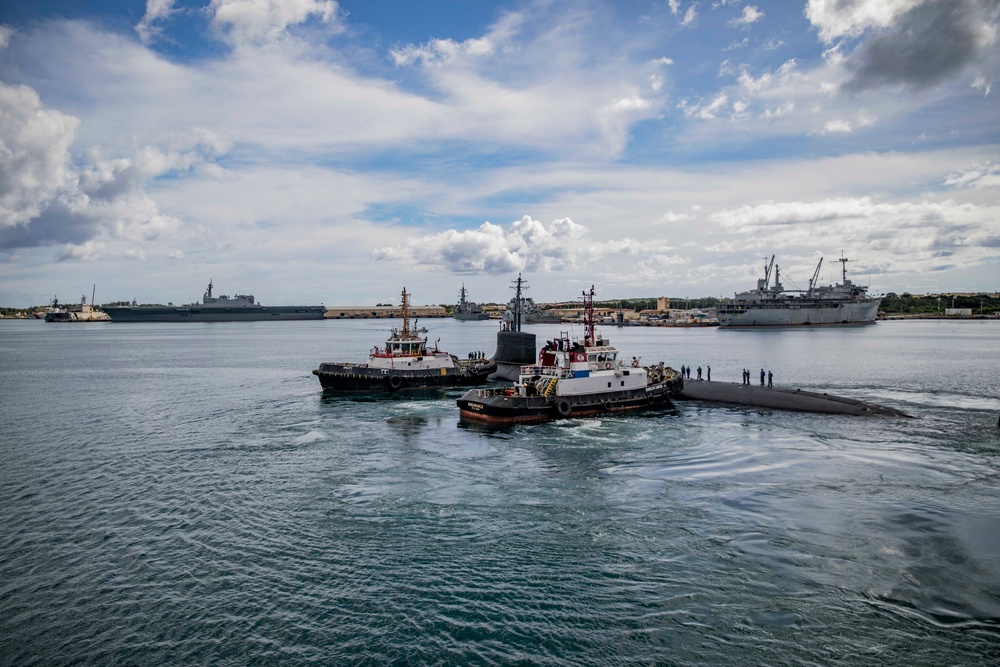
{"x": 406, "y": 314}
{"x": 588, "y": 305}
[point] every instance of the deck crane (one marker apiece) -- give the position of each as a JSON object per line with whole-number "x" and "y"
{"x": 812, "y": 281}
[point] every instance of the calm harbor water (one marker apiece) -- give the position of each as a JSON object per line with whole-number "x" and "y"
{"x": 184, "y": 494}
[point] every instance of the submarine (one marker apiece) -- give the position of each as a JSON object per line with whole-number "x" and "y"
{"x": 782, "y": 399}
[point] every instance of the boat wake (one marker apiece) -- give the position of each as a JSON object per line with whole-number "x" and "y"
{"x": 941, "y": 400}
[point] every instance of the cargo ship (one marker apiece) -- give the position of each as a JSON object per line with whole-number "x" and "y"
{"x": 405, "y": 362}
{"x": 239, "y": 308}
{"x": 770, "y": 304}
{"x": 574, "y": 378}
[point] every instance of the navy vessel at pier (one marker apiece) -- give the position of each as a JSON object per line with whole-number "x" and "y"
{"x": 773, "y": 305}
{"x": 469, "y": 310}
{"x": 239, "y": 308}
{"x": 529, "y": 312}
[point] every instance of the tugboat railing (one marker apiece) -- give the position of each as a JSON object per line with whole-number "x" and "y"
{"x": 547, "y": 371}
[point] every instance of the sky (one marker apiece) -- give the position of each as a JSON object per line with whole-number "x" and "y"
{"x": 321, "y": 151}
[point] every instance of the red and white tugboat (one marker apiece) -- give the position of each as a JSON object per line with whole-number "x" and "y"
{"x": 574, "y": 378}
{"x": 404, "y": 363}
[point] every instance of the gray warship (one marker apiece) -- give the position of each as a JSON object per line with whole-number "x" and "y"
{"x": 773, "y": 305}
{"x": 529, "y": 311}
{"x": 239, "y": 308}
{"x": 468, "y": 310}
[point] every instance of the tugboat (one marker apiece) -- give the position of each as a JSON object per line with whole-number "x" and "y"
{"x": 574, "y": 379}
{"x": 405, "y": 363}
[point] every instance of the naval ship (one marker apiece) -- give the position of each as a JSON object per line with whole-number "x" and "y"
{"x": 469, "y": 310}
{"x": 239, "y": 308}
{"x": 773, "y": 305}
{"x": 530, "y": 313}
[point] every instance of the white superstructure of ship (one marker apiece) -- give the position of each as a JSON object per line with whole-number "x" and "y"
{"x": 772, "y": 305}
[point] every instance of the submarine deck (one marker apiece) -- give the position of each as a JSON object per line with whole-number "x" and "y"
{"x": 781, "y": 399}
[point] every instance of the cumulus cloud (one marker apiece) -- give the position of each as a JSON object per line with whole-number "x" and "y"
{"x": 85, "y": 252}
{"x": 46, "y": 199}
{"x": 691, "y": 15}
{"x": 156, "y": 11}
{"x": 438, "y": 52}
{"x": 705, "y": 110}
{"x": 917, "y": 43}
{"x": 918, "y": 233}
{"x": 985, "y": 175}
{"x": 525, "y": 245}
{"x": 765, "y": 80}
{"x": 750, "y": 15}
{"x": 506, "y": 85}
{"x": 34, "y": 154}
{"x": 850, "y": 18}
{"x": 258, "y": 21}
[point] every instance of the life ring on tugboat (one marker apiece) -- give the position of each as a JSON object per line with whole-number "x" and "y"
{"x": 607, "y": 365}
{"x": 395, "y": 382}
{"x": 563, "y": 408}
{"x": 635, "y": 363}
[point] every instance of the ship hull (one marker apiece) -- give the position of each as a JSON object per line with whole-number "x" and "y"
{"x": 202, "y": 314}
{"x": 352, "y": 378}
{"x": 499, "y": 407}
{"x": 773, "y": 315}
{"x": 74, "y": 317}
{"x": 472, "y": 317}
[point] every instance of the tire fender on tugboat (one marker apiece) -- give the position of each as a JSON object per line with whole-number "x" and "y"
{"x": 395, "y": 382}
{"x": 563, "y": 408}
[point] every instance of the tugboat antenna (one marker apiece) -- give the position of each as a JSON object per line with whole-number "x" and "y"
{"x": 588, "y": 305}
{"x": 406, "y": 314}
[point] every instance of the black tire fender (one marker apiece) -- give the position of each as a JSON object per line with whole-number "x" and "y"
{"x": 395, "y": 382}
{"x": 563, "y": 408}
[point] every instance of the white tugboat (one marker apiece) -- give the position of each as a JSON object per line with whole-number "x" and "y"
{"x": 574, "y": 378}
{"x": 404, "y": 363}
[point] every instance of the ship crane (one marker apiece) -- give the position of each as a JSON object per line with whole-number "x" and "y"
{"x": 812, "y": 281}
{"x": 763, "y": 283}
